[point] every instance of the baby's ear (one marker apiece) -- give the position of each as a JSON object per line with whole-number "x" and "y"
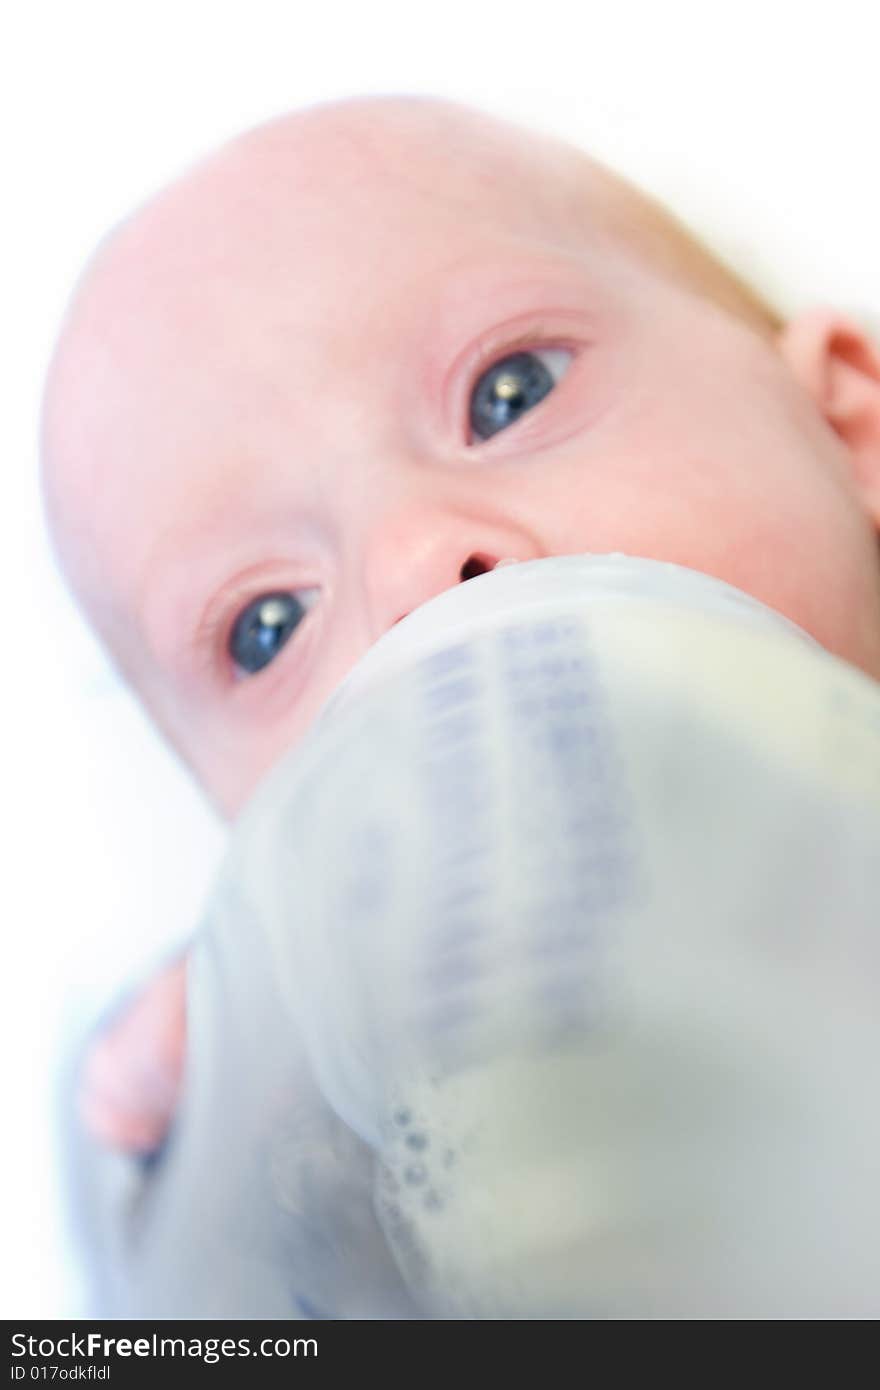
{"x": 835, "y": 359}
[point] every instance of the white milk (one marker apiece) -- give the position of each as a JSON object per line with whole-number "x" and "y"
{"x": 542, "y": 978}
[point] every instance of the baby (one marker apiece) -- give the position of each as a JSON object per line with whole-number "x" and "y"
{"x": 363, "y": 353}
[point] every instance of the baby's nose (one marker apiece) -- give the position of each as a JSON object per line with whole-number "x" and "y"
{"x": 482, "y": 564}
{"x": 477, "y": 564}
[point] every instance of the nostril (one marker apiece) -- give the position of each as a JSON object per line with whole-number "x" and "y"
{"x": 478, "y": 564}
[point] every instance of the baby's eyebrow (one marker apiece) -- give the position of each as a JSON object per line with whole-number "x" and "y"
{"x": 186, "y": 573}
{"x": 476, "y": 291}
{"x": 477, "y": 295}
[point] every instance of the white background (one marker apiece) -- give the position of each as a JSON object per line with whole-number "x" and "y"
{"x": 755, "y": 122}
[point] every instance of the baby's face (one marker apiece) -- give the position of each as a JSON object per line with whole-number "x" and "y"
{"x": 324, "y": 375}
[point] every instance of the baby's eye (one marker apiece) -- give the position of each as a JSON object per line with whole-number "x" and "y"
{"x": 263, "y": 627}
{"x": 512, "y": 386}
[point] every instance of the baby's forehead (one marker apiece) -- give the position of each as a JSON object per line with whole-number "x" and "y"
{"x": 312, "y": 222}
{"x": 190, "y": 308}
{"x": 383, "y": 161}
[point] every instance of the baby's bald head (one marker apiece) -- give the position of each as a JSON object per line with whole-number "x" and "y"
{"x": 438, "y": 150}
{"x": 264, "y": 370}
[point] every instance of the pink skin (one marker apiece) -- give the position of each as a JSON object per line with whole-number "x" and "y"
{"x": 263, "y": 385}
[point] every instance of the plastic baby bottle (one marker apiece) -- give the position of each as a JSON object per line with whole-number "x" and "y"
{"x": 541, "y": 980}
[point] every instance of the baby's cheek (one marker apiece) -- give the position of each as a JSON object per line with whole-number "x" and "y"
{"x": 249, "y": 750}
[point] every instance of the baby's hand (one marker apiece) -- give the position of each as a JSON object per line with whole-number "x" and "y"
{"x": 131, "y": 1079}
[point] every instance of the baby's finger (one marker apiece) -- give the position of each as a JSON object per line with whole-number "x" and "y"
{"x": 119, "y": 1129}
{"x": 129, "y": 1082}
